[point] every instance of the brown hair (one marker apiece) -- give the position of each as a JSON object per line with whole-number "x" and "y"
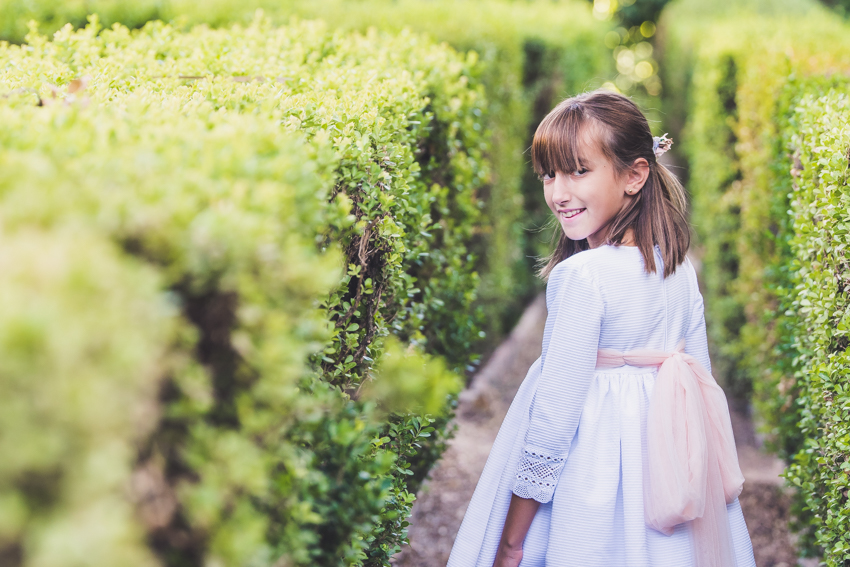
{"x": 656, "y": 214}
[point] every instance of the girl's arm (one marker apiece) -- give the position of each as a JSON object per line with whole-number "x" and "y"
{"x": 520, "y": 515}
{"x": 571, "y": 339}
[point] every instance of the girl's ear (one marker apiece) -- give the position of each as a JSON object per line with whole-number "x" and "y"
{"x": 636, "y": 176}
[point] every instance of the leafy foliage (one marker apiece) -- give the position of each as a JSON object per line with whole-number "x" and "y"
{"x": 820, "y": 138}
{"x": 530, "y": 55}
{"x": 213, "y": 181}
{"x": 241, "y": 168}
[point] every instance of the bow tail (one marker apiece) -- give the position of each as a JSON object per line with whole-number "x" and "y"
{"x": 711, "y": 532}
{"x": 720, "y": 429}
{"x": 675, "y": 475}
{"x": 692, "y": 467}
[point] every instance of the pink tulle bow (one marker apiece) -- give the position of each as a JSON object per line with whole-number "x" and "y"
{"x": 692, "y": 468}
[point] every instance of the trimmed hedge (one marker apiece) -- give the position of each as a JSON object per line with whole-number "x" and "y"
{"x": 820, "y": 139}
{"x": 730, "y": 73}
{"x": 418, "y": 152}
{"x": 744, "y": 85}
{"x": 750, "y": 128}
{"x": 531, "y": 55}
{"x": 205, "y": 185}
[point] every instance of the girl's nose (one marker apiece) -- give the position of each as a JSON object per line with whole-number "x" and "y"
{"x": 561, "y": 191}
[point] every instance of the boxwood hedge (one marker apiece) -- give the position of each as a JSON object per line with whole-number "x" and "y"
{"x": 399, "y": 160}
{"x": 213, "y": 239}
{"x": 530, "y": 55}
{"x": 819, "y": 138}
{"x": 732, "y": 73}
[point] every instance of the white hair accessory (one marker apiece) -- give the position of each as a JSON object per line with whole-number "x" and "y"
{"x": 661, "y": 144}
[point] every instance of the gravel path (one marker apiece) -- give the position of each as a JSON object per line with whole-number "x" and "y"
{"x": 442, "y": 501}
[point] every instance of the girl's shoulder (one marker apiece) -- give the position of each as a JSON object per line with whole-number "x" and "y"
{"x": 597, "y": 261}
{"x": 613, "y": 282}
{"x": 588, "y": 269}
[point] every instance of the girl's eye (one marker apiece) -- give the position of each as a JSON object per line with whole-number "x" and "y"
{"x": 580, "y": 171}
{"x": 548, "y": 176}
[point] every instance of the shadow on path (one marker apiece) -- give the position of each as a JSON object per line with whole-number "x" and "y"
{"x": 445, "y": 494}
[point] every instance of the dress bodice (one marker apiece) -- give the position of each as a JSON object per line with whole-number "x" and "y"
{"x": 600, "y": 299}
{"x": 636, "y": 309}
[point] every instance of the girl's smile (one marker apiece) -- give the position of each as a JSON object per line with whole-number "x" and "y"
{"x": 568, "y": 214}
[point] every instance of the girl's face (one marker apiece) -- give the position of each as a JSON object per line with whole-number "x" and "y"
{"x": 587, "y": 200}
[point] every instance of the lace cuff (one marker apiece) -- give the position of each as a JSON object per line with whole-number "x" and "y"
{"x": 537, "y": 475}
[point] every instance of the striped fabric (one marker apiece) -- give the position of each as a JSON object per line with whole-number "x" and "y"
{"x": 574, "y": 438}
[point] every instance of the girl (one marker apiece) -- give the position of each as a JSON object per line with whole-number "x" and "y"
{"x": 618, "y": 448}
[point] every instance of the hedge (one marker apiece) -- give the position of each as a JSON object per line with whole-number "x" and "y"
{"x": 819, "y": 136}
{"x": 742, "y": 88}
{"x": 462, "y": 204}
{"x": 182, "y": 348}
{"x": 531, "y": 55}
{"x": 743, "y": 144}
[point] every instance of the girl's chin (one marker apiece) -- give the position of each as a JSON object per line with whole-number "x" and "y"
{"x": 573, "y": 234}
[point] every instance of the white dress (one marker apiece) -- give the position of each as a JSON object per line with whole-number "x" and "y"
{"x": 574, "y": 438}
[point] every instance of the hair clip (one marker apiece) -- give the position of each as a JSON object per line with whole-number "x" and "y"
{"x": 661, "y": 144}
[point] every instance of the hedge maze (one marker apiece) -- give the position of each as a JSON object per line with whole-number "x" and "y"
{"x": 248, "y": 257}
{"x": 271, "y": 228}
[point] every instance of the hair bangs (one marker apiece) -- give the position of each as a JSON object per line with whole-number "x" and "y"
{"x": 558, "y": 140}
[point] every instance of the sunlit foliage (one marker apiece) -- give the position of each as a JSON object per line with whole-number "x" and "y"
{"x": 182, "y": 342}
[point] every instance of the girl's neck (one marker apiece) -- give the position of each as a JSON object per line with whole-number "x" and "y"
{"x": 628, "y": 239}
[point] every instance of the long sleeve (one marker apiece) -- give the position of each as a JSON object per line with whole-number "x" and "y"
{"x": 570, "y": 342}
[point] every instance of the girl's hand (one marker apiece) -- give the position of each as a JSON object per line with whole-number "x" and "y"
{"x": 507, "y": 557}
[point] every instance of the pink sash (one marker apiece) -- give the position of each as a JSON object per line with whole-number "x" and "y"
{"x": 692, "y": 463}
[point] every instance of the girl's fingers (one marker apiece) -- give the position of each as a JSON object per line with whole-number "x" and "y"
{"x": 508, "y": 558}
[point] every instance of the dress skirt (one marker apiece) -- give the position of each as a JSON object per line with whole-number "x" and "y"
{"x": 596, "y": 515}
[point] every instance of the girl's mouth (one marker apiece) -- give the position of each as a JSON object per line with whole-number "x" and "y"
{"x": 571, "y": 213}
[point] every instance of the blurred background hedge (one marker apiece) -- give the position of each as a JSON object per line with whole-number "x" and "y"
{"x": 531, "y": 54}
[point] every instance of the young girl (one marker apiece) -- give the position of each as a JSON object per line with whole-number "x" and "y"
{"x": 618, "y": 448}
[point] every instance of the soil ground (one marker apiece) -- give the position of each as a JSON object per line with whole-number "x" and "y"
{"x": 443, "y": 499}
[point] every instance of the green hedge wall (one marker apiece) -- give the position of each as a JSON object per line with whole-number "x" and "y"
{"x": 743, "y": 86}
{"x": 531, "y": 55}
{"x": 177, "y": 208}
{"x": 747, "y": 133}
{"x": 819, "y": 136}
{"x": 418, "y": 153}
{"x": 730, "y": 75}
